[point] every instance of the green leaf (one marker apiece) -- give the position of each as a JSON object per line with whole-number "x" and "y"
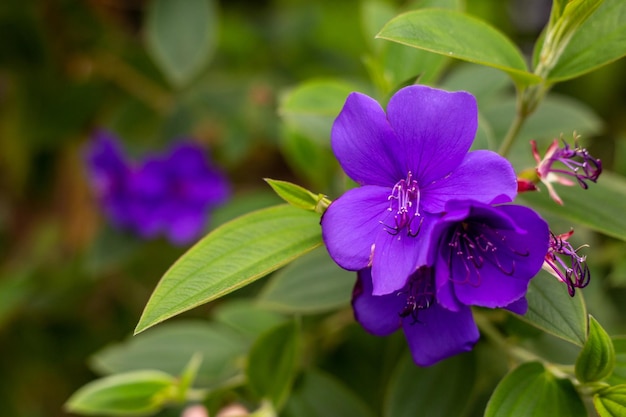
{"x": 457, "y": 35}
{"x": 611, "y": 402}
{"x": 309, "y": 285}
{"x": 246, "y": 318}
{"x": 619, "y": 372}
{"x": 601, "y": 207}
{"x": 273, "y": 362}
{"x": 556, "y": 115}
{"x": 531, "y": 391}
{"x": 416, "y": 391}
{"x": 299, "y": 196}
{"x": 550, "y": 308}
{"x": 601, "y": 39}
{"x": 309, "y": 158}
{"x": 391, "y": 64}
{"x": 170, "y": 347}
{"x": 318, "y": 394}
{"x": 312, "y": 107}
{"x": 128, "y": 394}
{"x": 232, "y": 256}
{"x": 181, "y": 36}
{"x": 597, "y": 358}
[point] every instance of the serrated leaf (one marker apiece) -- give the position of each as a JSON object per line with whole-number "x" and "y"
{"x": 531, "y": 391}
{"x": 311, "y": 284}
{"x": 597, "y": 358}
{"x": 170, "y": 347}
{"x": 600, "y": 40}
{"x": 181, "y": 36}
{"x": 232, "y": 256}
{"x": 458, "y": 35}
{"x": 273, "y": 362}
{"x": 318, "y": 394}
{"x": 601, "y": 207}
{"x": 611, "y": 402}
{"x": 550, "y": 308}
{"x": 129, "y": 394}
{"x": 417, "y": 391}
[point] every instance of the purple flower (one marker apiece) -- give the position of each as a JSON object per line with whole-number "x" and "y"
{"x": 486, "y": 256}
{"x": 409, "y": 163}
{"x": 576, "y": 162}
{"x": 482, "y": 256}
{"x": 432, "y": 332}
{"x": 169, "y": 194}
{"x": 564, "y": 262}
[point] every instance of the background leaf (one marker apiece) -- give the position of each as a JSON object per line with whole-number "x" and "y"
{"x": 128, "y": 394}
{"x": 169, "y": 348}
{"x": 551, "y": 309}
{"x": 460, "y": 36}
{"x": 619, "y": 372}
{"x": 601, "y": 207}
{"x": 232, "y": 256}
{"x": 428, "y": 391}
{"x": 273, "y": 362}
{"x": 311, "y": 284}
{"x": 318, "y": 394}
{"x": 530, "y": 390}
{"x": 597, "y": 358}
{"x": 181, "y": 36}
{"x": 600, "y": 40}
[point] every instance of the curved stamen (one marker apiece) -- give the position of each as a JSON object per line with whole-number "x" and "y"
{"x": 472, "y": 244}
{"x": 420, "y": 294}
{"x": 404, "y": 202}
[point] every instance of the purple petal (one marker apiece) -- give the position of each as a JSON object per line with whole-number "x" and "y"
{"x": 378, "y": 315}
{"x": 505, "y": 273}
{"x": 186, "y": 226}
{"x": 519, "y": 306}
{"x": 106, "y": 162}
{"x": 440, "y": 333}
{"x": 351, "y": 223}
{"x": 435, "y": 129}
{"x": 398, "y": 256}
{"x": 483, "y": 176}
{"x": 364, "y": 143}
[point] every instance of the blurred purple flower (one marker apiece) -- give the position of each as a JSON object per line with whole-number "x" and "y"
{"x": 483, "y": 256}
{"x": 409, "y": 163}
{"x": 169, "y": 194}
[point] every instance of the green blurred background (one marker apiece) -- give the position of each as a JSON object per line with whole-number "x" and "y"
{"x": 69, "y": 283}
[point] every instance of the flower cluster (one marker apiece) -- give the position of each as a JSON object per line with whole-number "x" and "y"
{"x": 169, "y": 194}
{"x": 428, "y": 230}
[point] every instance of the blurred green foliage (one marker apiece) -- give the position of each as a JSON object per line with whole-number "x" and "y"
{"x": 70, "y": 284}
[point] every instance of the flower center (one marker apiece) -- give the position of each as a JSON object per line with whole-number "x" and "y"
{"x": 404, "y": 202}
{"x": 474, "y": 244}
{"x": 420, "y": 294}
{"x": 574, "y": 273}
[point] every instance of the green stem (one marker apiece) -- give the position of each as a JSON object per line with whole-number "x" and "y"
{"x": 512, "y": 133}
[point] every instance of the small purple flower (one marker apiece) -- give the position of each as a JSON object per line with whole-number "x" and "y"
{"x": 483, "y": 256}
{"x": 409, "y": 163}
{"x": 577, "y": 163}
{"x": 170, "y": 193}
{"x": 564, "y": 262}
{"x": 486, "y": 256}
{"x": 432, "y": 332}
